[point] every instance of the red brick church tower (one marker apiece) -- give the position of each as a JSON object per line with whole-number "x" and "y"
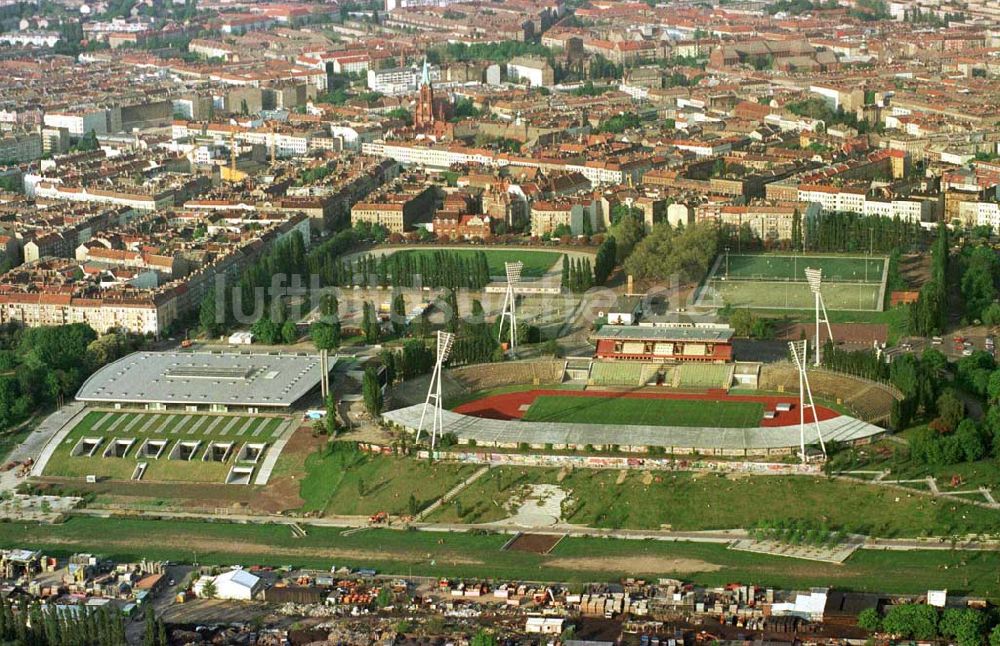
{"x": 429, "y": 110}
{"x": 424, "y": 114}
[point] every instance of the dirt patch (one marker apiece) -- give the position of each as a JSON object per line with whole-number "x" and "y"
{"x": 643, "y": 564}
{"x": 534, "y": 543}
{"x": 204, "y": 545}
{"x": 282, "y": 490}
{"x": 915, "y": 270}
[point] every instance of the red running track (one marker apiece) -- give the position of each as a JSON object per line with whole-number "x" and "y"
{"x": 513, "y": 405}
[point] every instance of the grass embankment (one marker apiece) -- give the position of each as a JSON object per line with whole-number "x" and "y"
{"x": 690, "y": 501}
{"x": 471, "y": 556}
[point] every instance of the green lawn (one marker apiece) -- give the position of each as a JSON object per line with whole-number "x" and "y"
{"x": 340, "y": 480}
{"x": 787, "y": 267}
{"x": 652, "y": 412}
{"x": 536, "y": 263}
{"x": 574, "y": 560}
{"x": 970, "y": 475}
{"x": 688, "y": 501}
{"x": 172, "y": 427}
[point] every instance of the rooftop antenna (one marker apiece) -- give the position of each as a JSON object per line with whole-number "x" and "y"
{"x": 509, "y": 310}
{"x": 815, "y": 279}
{"x": 800, "y": 350}
{"x": 445, "y": 340}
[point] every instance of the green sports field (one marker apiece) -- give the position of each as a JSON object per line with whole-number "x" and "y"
{"x": 792, "y": 295}
{"x": 778, "y": 267}
{"x": 647, "y": 412}
{"x": 536, "y": 263}
{"x": 776, "y": 281}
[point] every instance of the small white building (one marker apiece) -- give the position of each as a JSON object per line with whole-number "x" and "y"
{"x": 544, "y": 625}
{"x": 241, "y": 338}
{"x": 937, "y": 598}
{"x": 808, "y": 605}
{"x": 234, "y": 585}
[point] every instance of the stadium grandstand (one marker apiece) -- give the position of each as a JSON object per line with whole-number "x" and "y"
{"x": 667, "y": 343}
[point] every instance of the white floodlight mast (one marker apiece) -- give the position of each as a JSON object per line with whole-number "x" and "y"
{"x": 445, "y": 340}
{"x": 800, "y": 351}
{"x": 509, "y": 310}
{"x": 815, "y": 279}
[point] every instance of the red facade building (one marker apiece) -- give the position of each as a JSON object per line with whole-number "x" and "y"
{"x": 646, "y": 343}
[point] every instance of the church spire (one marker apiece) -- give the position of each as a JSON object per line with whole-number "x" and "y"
{"x": 425, "y": 76}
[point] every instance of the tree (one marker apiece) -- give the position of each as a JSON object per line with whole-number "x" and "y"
{"x": 371, "y": 391}
{"x": 627, "y": 232}
{"x": 869, "y": 619}
{"x": 971, "y": 440}
{"x": 991, "y": 315}
{"x": 369, "y": 323}
{"x": 289, "y": 332}
{"x": 208, "y": 590}
{"x": 398, "y": 314}
{"x": 88, "y": 142}
{"x": 483, "y": 638}
{"x": 742, "y": 321}
{"x": 797, "y": 241}
{"x": 328, "y": 306}
{"x": 951, "y": 410}
{"x": 266, "y": 331}
{"x": 604, "y": 261}
{"x": 666, "y": 251}
{"x": 384, "y": 597}
{"x": 918, "y": 621}
{"x": 325, "y": 336}
{"x": 995, "y": 636}
{"x": 967, "y": 626}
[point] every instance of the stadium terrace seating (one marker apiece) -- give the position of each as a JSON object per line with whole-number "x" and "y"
{"x": 617, "y": 373}
{"x": 704, "y": 375}
{"x": 648, "y": 375}
{"x": 578, "y": 370}
{"x": 868, "y": 400}
{"x": 491, "y": 375}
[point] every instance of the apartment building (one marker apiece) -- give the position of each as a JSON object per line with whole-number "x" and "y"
{"x": 400, "y": 80}
{"x": 136, "y": 200}
{"x": 20, "y": 147}
{"x": 397, "y": 212}
{"x": 536, "y": 71}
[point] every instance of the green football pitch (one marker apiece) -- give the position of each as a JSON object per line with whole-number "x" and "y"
{"x": 793, "y": 295}
{"x": 776, "y": 267}
{"x": 645, "y": 411}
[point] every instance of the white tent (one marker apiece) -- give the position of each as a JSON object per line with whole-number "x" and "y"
{"x": 234, "y": 584}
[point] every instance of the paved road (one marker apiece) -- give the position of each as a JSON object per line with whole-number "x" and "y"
{"x": 36, "y": 442}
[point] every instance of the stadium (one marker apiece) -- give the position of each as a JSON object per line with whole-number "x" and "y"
{"x": 771, "y": 281}
{"x": 682, "y": 408}
{"x": 210, "y": 418}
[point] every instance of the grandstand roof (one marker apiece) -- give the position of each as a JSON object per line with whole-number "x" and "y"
{"x": 665, "y": 333}
{"x": 204, "y": 378}
{"x": 488, "y": 432}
